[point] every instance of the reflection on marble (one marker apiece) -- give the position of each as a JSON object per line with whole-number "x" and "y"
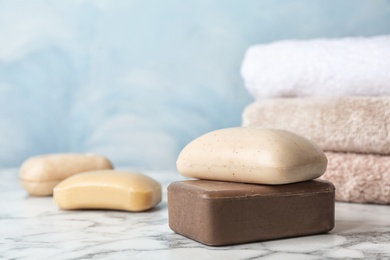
{"x": 34, "y": 228}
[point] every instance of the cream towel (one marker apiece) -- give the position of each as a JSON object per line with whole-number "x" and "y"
{"x": 359, "y": 178}
{"x": 354, "y": 66}
{"x": 345, "y": 124}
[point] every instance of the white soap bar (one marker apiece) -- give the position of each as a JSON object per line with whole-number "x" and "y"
{"x": 252, "y": 155}
{"x": 40, "y": 174}
{"x": 108, "y": 189}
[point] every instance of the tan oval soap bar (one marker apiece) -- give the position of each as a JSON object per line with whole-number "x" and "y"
{"x": 252, "y": 155}
{"x": 40, "y": 174}
{"x": 108, "y": 189}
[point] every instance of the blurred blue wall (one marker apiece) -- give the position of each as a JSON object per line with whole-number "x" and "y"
{"x": 137, "y": 80}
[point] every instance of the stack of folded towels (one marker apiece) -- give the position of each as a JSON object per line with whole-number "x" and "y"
{"x": 335, "y": 92}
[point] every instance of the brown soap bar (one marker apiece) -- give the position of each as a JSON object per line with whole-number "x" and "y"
{"x": 223, "y": 213}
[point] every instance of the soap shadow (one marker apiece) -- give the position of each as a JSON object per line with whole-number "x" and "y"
{"x": 157, "y": 208}
{"x": 345, "y": 226}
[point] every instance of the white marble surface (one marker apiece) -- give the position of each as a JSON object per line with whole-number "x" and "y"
{"x": 34, "y": 228}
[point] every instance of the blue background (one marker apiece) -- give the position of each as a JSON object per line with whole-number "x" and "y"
{"x": 137, "y": 80}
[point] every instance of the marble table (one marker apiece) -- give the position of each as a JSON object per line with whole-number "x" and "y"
{"x": 34, "y": 228}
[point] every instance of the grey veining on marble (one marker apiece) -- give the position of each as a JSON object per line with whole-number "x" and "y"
{"x": 34, "y": 228}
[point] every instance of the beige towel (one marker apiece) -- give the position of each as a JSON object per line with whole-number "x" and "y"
{"x": 359, "y": 178}
{"x": 345, "y": 124}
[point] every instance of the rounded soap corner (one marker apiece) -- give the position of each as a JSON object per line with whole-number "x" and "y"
{"x": 213, "y": 244}
{"x": 331, "y": 186}
{"x": 173, "y": 185}
{"x": 331, "y": 227}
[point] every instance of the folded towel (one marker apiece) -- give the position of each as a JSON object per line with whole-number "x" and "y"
{"x": 345, "y": 124}
{"x": 322, "y": 67}
{"x": 359, "y": 178}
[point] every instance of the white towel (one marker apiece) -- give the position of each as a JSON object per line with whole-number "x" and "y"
{"x": 322, "y": 67}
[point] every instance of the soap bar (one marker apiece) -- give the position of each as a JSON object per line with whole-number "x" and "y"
{"x": 224, "y": 213}
{"x": 40, "y": 174}
{"x": 252, "y": 155}
{"x": 108, "y": 189}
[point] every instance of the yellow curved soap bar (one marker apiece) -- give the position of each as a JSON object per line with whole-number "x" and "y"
{"x": 252, "y": 155}
{"x": 40, "y": 174}
{"x": 108, "y": 189}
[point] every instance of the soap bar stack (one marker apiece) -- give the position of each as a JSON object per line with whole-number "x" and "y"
{"x": 255, "y": 184}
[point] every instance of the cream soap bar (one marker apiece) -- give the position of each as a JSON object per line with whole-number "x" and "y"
{"x": 252, "y": 155}
{"x": 40, "y": 174}
{"x": 108, "y": 189}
